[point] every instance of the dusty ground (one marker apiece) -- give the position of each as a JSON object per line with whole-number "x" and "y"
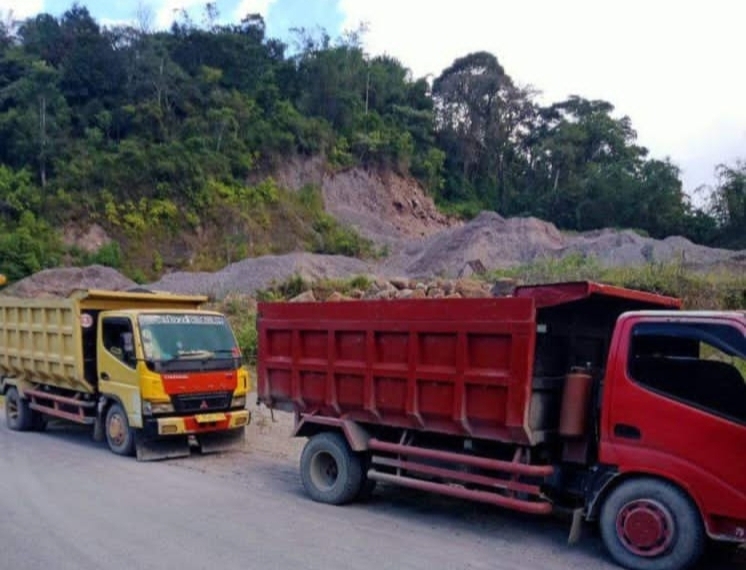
{"x": 69, "y": 504}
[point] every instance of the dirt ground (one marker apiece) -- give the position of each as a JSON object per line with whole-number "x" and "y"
{"x": 246, "y": 508}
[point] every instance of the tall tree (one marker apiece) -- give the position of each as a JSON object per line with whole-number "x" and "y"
{"x": 479, "y": 116}
{"x": 36, "y": 121}
{"x": 729, "y": 203}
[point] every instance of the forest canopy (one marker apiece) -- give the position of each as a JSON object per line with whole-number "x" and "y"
{"x": 155, "y": 134}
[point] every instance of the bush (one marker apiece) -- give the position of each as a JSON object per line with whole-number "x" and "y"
{"x": 109, "y": 254}
{"x": 247, "y": 338}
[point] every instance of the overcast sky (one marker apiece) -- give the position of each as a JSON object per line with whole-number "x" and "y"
{"x": 675, "y": 68}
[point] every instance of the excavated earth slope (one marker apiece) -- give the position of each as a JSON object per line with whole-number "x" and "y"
{"x": 422, "y": 243}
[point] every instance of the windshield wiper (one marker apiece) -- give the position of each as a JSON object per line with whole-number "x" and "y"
{"x": 194, "y": 354}
{"x": 231, "y": 351}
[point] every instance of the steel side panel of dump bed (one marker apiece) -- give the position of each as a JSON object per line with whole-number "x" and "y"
{"x": 454, "y": 366}
{"x": 40, "y": 340}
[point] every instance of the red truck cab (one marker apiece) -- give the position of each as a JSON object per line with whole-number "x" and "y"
{"x": 674, "y": 408}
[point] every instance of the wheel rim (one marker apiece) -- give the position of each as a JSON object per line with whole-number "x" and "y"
{"x": 12, "y": 408}
{"x": 645, "y": 527}
{"x": 324, "y": 470}
{"x": 117, "y": 430}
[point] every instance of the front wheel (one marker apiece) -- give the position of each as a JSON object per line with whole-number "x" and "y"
{"x": 330, "y": 471}
{"x": 119, "y": 435}
{"x": 647, "y": 524}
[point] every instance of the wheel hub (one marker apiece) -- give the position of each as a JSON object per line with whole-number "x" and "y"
{"x": 645, "y": 527}
{"x": 116, "y": 429}
{"x": 324, "y": 470}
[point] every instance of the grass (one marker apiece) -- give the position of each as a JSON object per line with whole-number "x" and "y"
{"x": 715, "y": 290}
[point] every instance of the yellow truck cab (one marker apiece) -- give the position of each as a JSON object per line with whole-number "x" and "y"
{"x": 151, "y": 372}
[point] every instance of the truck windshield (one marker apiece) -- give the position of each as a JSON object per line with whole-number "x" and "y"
{"x": 168, "y": 337}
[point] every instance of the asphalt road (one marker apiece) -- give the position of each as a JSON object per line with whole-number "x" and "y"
{"x": 67, "y": 503}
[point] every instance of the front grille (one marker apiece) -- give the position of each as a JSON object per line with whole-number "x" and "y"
{"x": 198, "y": 403}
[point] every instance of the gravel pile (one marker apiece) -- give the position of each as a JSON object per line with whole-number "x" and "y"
{"x": 253, "y": 274}
{"x": 62, "y": 281}
{"x": 489, "y": 238}
{"x": 494, "y": 241}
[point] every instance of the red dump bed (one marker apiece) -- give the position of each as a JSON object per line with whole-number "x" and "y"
{"x": 455, "y": 366}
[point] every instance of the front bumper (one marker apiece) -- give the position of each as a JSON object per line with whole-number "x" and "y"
{"x": 196, "y": 424}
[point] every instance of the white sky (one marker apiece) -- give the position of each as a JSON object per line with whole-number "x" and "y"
{"x": 676, "y": 68}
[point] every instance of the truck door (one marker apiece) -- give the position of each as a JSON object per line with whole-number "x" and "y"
{"x": 677, "y": 408}
{"x": 117, "y": 363}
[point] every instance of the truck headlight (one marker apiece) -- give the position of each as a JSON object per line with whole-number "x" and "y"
{"x": 151, "y": 408}
{"x": 238, "y": 402}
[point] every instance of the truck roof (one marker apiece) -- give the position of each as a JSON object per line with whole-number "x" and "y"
{"x": 690, "y": 314}
{"x": 100, "y": 299}
{"x": 551, "y": 294}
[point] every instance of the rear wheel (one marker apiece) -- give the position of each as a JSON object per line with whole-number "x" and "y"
{"x": 330, "y": 471}
{"x": 17, "y": 411}
{"x": 119, "y": 435}
{"x": 647, "y": 524}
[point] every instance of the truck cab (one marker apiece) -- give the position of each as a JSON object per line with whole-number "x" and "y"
{"x": 174, "y": 372}
{"x": 674, "y": 409}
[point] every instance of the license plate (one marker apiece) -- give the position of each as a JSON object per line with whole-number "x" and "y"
{"x": 209, "y": 418}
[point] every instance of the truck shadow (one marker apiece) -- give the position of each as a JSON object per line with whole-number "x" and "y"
{"x": 70, "y": 433}
{"x": 552, "y": 530}
{"x": 483, "y": 522}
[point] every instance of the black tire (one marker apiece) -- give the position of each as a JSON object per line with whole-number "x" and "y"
{"x": 119, "y": 435}
{"x": 38, "y": 421}
{"x": 17, "y": 411}
{"x": 648, "y": 524}
{"x": 330, "y": 471}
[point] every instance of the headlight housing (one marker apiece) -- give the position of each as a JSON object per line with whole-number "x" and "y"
{"x": 153, "y": 408}
{"x": 238, "y": 402}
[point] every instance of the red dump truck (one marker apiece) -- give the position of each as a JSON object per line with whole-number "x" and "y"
{"x": 607, "y": 403}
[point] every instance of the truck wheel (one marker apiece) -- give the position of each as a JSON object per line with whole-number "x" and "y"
{"x": 119, "y": 435}
{"x": 330, "y": 471}
{"x": 647, "y": 524}
{"x": 17, "y": 411}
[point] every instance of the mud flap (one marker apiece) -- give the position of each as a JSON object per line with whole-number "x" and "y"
{"x": 160, "y": 448}
{"x": 576, "y": 527}
{"x": 214, "y": 442}
{"x": 98, "y": 429}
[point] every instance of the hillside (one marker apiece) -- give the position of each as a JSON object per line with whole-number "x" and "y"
{"x": 396, "y": 214}
{"x": 216, "y": 150}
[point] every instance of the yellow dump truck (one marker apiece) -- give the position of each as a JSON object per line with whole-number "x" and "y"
{"x": 152, "y": 373}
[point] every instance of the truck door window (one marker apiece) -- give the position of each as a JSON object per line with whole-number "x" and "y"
{"x": 116, "y": 333}
{"x": 700, "y": 364}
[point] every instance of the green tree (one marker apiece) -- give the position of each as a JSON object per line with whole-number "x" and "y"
{"x": 36, "y": 119}
{"x": 729, "y": 203}
{"x": 480, "y": 117}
